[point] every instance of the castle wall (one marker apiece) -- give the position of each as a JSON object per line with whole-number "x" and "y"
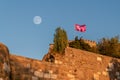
{"x": 90, "y": 42}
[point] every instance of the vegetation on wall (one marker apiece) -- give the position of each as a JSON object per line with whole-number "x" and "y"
{"x": 106, "y": 46}
{"x": 81, "y": 44}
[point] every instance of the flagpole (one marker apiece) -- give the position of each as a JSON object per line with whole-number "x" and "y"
{"x": 80, "y": 28}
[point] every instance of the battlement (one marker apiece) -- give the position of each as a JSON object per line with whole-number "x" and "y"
{"x": 90, "y": 42}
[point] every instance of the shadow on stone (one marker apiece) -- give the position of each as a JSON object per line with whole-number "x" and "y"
{"x": 114, "y": 69}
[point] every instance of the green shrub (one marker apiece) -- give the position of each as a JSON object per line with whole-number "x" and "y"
{"x": 80, "y": 44}
{"x": 109, "y": 47}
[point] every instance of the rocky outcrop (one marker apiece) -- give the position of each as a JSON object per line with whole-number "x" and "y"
{"x": 4, "y": 63}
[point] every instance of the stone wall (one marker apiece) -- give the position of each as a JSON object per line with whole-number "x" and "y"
{"x": 75, "y": 64}
{"x": 90, "y": 42}
{"x": 29, "y": 69}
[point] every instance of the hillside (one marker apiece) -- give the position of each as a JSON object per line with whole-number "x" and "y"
{"x": 74, "y": 65}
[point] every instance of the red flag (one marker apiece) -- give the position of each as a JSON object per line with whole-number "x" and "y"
{"x": 81, "y": 28}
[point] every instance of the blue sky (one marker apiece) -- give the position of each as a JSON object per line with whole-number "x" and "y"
{"x": 25, "y": 38}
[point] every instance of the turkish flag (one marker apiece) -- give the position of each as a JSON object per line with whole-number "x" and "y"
{"x": 81, "y": 28}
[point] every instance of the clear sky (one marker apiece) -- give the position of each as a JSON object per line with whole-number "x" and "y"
{"x": 25, "y": 38}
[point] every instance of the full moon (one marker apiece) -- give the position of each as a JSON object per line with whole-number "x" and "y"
{"x": 37, "y": 20}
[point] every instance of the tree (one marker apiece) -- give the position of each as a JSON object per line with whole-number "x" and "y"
{"x": 60, "y": 40}
{"x": 110, "y": 47}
